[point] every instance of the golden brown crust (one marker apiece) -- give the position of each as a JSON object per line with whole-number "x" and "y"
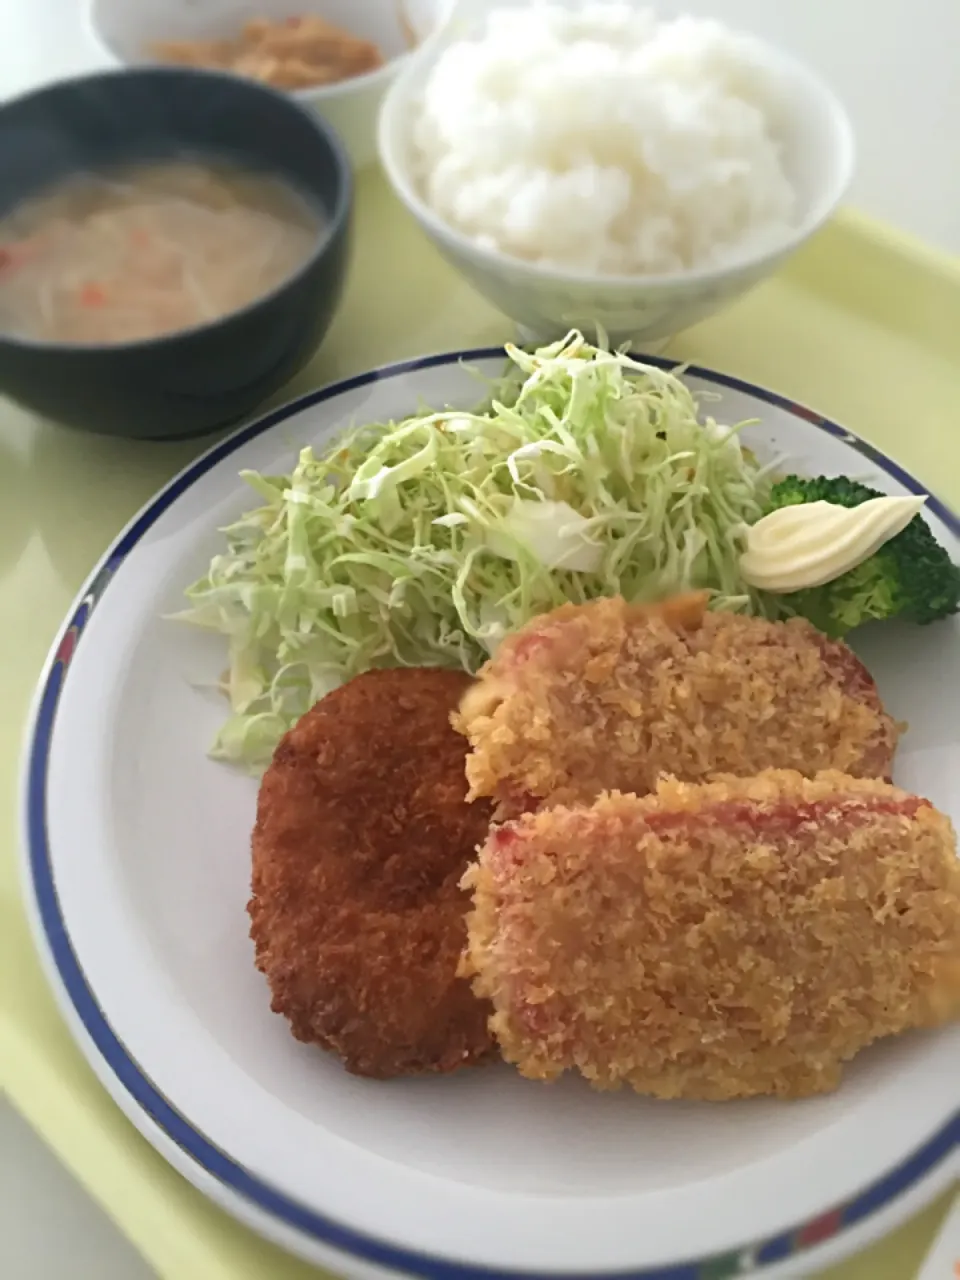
{"x": 362, "y": 835}
{"x": 720, "y": 940}
{"x": 603, "y": 697}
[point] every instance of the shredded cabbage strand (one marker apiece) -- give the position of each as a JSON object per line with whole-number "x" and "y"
{"x": 423, "y": 542}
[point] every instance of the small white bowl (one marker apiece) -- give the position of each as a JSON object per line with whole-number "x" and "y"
{"x": 545, "y": 302}
{"x": 124, "y": 30}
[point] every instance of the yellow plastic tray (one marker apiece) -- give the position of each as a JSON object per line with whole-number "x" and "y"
{"x": 864, "y": 326}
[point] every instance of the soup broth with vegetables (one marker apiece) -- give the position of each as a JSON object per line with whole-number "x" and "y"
{"x": 148, "y": 250}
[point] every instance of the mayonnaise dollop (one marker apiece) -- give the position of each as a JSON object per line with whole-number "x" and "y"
{"x": 811, "y": 543}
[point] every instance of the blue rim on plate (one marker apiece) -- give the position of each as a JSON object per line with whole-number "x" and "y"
{"x": 208, "y": 1158}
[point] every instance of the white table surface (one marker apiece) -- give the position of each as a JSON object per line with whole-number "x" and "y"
{"x": 894, "y": 62}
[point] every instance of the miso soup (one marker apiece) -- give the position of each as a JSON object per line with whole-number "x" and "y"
{"x": 145, "y": 251}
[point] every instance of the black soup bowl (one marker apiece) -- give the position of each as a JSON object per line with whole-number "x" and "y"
{"x": 190, "y": 381}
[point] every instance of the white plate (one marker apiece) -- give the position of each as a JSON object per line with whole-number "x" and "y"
{"x": 137, "y": 872}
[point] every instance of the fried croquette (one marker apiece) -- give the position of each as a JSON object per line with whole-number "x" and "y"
{"x": 362, "y": 835}
{"x": 608, "y": 696}
{"x": 717, "y": 940}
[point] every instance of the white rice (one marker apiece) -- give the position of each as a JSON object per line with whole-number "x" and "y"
{"x": 598, "y": 139}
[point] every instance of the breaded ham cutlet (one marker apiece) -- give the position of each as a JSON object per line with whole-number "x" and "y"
{"x": 362, "y": 835}
{"x": 607, "y": 696}
{"x": 717, "y": 940}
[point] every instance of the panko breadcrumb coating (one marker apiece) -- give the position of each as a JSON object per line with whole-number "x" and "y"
{"x": 717, "y": 940}
{"x": 609, "y": 696}
{"x": 363, "y": 833}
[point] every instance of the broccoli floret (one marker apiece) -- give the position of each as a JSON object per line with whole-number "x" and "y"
{"x": 911, "y": 576}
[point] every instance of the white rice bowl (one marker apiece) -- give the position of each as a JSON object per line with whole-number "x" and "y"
{"x": 601, "y": 140}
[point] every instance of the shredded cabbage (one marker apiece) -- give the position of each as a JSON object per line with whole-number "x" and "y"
{"x": 423, "y": 542}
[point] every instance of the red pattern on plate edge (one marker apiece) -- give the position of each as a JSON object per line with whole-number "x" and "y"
{"x": 820, "y": 1229}
{"x": 67, "y": 645}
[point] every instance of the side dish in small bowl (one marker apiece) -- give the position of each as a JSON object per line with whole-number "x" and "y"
{"x": 587, "y": 164}
{"x": 172, "y": 248}
{"x": 336, "y": 57}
